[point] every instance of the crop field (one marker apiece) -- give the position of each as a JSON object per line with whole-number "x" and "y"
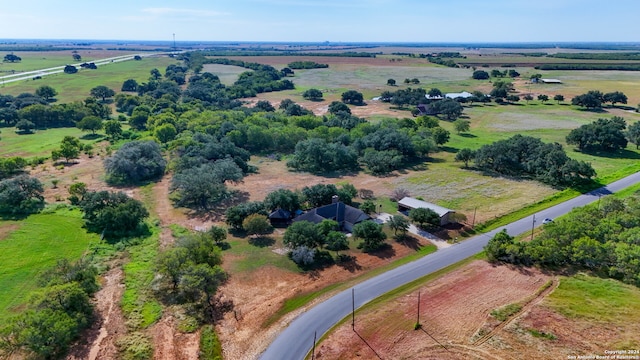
{"x": 33, "y": 245}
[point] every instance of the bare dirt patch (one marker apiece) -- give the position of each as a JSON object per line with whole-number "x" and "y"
{"x": 453, "y": 308}
{"x": 258, "y": 295}
{"x": 100, "y": 341}
{"x": 7, "y": 229}
{"x": 172, "y": 344}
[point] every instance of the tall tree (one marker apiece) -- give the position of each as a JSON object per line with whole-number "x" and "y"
{"x": 46, "y": 92}
{"x": 90, "y": 123}
{"x": 102, "y": 92}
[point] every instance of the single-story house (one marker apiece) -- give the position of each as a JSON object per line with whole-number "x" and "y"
{"x": 426, "y": 109}
{"x": 463, "y": 95}
{"x": 346, "y": 216}
{"x": 409, "y": 203}
{"x": 454, "y": 96}
{"x": 280, "y": 218}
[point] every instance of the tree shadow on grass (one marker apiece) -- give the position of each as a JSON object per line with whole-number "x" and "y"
{"x": 91, "y": 136}
{"x": 468, "y": 135}
{"x": 594, "y": 110}
{"x": 408, "y": 241}
{"x": 620, "y": 154}
{"x": 262, "y": 241}
{"x": 386, "y": 251}
{"x": 349, "y": 263}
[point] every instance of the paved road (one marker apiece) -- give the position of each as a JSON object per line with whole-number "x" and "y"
{"x": 28, "y": 75}
{"x": 296, "y": 341}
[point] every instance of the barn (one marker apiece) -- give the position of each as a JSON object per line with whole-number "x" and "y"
{"x": 409, "y": 203}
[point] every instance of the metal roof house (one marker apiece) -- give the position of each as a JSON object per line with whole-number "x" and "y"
{"x": 409, "y": 203}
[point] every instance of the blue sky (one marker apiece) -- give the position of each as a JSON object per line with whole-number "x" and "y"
{"x": 325, "y": 20}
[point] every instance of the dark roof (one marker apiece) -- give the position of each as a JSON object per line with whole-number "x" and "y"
{"x": 339, "y": 212}
{"x": 280, "y": 214}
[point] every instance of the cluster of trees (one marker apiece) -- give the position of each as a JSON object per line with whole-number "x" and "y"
{"x": 594, "y": 99}
{"x": 203, "y": 165}
{"x": 12, "y": 58}
{"x": 291, "y": 201}
{"x": 298, "y": 65}
{"x": 56, "y": 314}
{"x": 135, "y": 162}
{"x": 529, "y": 157}
{"x": 192, "y": 271}
{"x": 599, "y": 238}
{"x": 34, "y": 111}
{"x": 448, "y": 108}
{"x": 112, "y": 214}
{"x": 382, "y": 147}
{"x": 500, "y": 74}
{"x": 602, "y": 134}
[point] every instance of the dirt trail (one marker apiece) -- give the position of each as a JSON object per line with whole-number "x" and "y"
{"x": 171, "y": 344}
{"x": 526, "y": 307}
{"x": 110, "y": 324}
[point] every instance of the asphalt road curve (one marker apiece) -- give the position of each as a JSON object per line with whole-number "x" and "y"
{"x": 296, "y": 341}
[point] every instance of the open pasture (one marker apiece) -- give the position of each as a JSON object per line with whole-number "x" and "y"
{"x": 34, "y": 245}
{"x": 76, "y": 87}
{"x": 36, "y": 60}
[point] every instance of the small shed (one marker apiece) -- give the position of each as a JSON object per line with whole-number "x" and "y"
{"x": 409, "y": 203}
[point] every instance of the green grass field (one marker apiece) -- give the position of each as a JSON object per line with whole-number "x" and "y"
{"x": 76, "y": 87}
{"x": 39, "y": 143}
{"x": 33, "y": 245}
{"x": 602, "y": 300}
{"x": 36, "y": 60}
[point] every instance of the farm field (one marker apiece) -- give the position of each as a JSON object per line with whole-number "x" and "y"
{"x": 267, "y": 288}
{"x": 582, "y": 315}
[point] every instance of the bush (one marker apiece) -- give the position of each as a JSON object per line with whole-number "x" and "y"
{"x": 136, "y": 161}
{"x": 21, "y": 195}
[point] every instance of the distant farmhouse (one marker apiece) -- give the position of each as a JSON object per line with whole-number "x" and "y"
{"x": 546, "y": 81}
{"x": 346, "y": 216}
{"x": 409, "y": 203}
{"x": 463, "y": 95}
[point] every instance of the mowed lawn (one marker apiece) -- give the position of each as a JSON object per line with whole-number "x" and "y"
{"x": 32, "y": 246}
{"x": 40, "y": 143}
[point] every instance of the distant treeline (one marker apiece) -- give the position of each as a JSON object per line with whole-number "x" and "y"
{"x": 297, "y": 65}
{"x": 41, "y": 48}
{"x": 289, "y": 53}
{"x": 598, "y": 56}
{"x": 529, "y": 54}
{"x": 622, "y": 67}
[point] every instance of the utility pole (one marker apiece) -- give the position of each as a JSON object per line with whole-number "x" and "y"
{"x": 473, "y": 223}
{"x": 533, "y": 224}
{"x": 418, "y": 321}
{"x": 353, "y": 310}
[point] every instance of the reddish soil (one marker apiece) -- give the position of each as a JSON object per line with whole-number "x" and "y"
{"x": 259, "y": 295}
{"x": 453, "y": 308}
{"x": 171, "y": 344}
{"x": 100, "y": 342}
{"x": 5, "y": 230}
